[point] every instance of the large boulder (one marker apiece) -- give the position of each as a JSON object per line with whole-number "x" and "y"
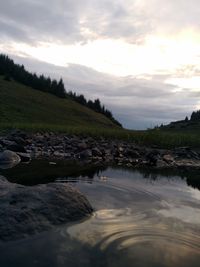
{"x": 26, "y": 210}
{"x": 8, "y": 159}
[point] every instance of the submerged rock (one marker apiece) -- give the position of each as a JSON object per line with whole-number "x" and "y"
{"x": 27, "y": 210}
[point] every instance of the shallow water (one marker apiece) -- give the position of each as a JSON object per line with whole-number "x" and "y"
{"x": 139, "y": 220}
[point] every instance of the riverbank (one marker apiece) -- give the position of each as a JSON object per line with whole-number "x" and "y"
{"x": 54, "y": 146}
{"x": 40, "y": 207}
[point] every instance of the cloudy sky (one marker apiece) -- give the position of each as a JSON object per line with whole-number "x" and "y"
{"x": 140, "y": 57}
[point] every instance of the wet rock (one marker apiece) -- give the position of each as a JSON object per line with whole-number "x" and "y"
{"x": 25, "y": 157}
{"x": 168, "y": 158}
{"x": 8, "y": 156}
{"x": 26, "y": 210}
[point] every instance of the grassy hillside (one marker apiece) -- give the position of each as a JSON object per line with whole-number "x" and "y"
{"x": 183, "y": 126}
{"x": 24, "y": 107}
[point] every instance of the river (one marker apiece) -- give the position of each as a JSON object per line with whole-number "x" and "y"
{"x": 141, "y": 218}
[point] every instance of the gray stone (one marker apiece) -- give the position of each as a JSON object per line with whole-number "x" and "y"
{"x": 16, "y": 148}
{"x": 161, "y": 164}
{"x": 25, "y": 157}
{"x": 168, "y": 158}
{"x": 19, "y": 140}
{"x": 82, "y": 146}
{"x": 26, "y": 210}
{"x": 8, "y": 156}
{"x": 85, "y": 154}
{"x": 132, "y": 153}
{"x": 6, "y": 142}
{"x": 96, "y": 152}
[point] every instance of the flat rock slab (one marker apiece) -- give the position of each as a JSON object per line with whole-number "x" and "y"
{"x": 27, "y": 210}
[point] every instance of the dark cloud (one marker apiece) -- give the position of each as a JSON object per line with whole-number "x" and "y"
{"x": 41, "y": 20}
{"x": 70, "y": 21}
{"x": 9, "y": 30}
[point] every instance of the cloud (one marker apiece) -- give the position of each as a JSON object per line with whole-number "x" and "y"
{"x": 171, "y": 16}
{"x": 69, "y": 21}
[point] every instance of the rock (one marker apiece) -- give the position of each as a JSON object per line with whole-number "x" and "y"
{"x": 8, "y": 156}
{"x": 85, "y": 154}
{"x": 19, "y": 140}
{"x": 152, "y": 157}
{"x": 26, "y": 210}
{"x": 16, "y": 148}
{"x": 25, "y": 157}
{"x": 168, "y": 158}
{"x": 120, "y": 149}
{"x": 82, "y": 146}
{"x": 132, "y": 153}
{"x": 2, "y": 179}
{"x": 52, "y": 163}
{"x": 96, "y": 152}
{"x": 5, "y": 142}
{"x": 161, "y": 164}
{"x": 17, "y": 133}
{"x": 186, "y": 163}
{"x": 182, "y": 152}
{"x": 194, "y": 154}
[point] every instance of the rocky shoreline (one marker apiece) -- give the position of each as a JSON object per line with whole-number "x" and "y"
{"x": 53, "y": 146}
{"x": 26, "y": 210}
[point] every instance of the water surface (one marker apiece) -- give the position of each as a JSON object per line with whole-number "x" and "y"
{"x": 141, "y": 219}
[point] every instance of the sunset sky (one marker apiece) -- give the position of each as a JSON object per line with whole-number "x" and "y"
{"x": 140, "y": 57}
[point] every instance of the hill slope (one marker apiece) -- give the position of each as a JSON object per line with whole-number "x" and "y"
{"x": 183, "y": 126}
{"x": 23, "y": 106}
{"x": 188, "y": 125}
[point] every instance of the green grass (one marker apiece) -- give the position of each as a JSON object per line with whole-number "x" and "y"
{"x": 24, "y": 108}
{"x": 182, "y": 126}
{"x": 29, "y": 108}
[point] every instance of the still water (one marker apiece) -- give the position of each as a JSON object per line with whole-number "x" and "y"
{"x": 140, "y": 219}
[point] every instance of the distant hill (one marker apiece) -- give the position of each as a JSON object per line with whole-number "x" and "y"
{"x": 17, "y": 72}
{"x": 24, "y": 106}
{"x": 191, "y": 124}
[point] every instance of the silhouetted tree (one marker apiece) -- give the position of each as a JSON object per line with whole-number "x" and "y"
{"x": 195, "y": 115}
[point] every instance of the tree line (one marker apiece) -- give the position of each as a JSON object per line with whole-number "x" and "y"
{"x": 195, "y": 116}
{"x": 11, "y": 70}
{"x": 94, "y": 105}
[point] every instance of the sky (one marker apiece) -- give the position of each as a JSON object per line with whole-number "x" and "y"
{"x": 140, "y": 57}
